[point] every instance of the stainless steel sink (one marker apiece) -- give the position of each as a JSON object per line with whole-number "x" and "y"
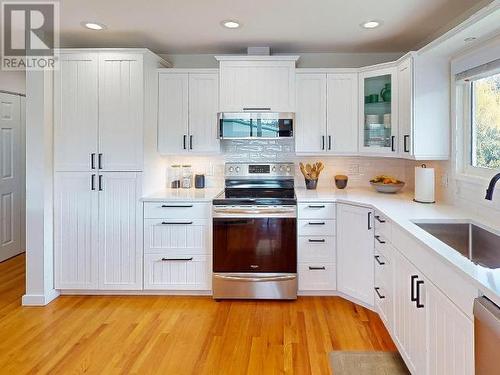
{"x": 479, "y": 245}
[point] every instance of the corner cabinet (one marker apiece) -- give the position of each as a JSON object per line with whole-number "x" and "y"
{"x": 326, "y": 115}
{"x": 378, "y": 112}
{"x": 257, "y": 83}
{"x": 187, "y": 112}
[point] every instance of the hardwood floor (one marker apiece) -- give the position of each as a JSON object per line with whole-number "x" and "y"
{"x": 177, "y": 335}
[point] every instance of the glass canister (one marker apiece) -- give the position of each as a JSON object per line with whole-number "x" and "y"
{"x": 187, "y": 176}
{"x": 175, "y": 176}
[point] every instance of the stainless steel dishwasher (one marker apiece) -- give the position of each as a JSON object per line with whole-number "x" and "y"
{"x": 486, "y": 336}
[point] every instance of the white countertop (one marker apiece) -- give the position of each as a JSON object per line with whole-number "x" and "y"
{"x": 402, "y": 211}
{"x": 200, "y": 195}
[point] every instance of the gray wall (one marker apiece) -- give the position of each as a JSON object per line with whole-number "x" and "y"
{"x": 13, "y": 81}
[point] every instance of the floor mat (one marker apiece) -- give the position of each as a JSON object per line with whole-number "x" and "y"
{"x": 372, "y": 363}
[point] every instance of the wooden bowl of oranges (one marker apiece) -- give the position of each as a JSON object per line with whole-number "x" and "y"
{"x": 387, "y": 184}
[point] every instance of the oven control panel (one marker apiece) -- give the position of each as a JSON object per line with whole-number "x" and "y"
{"x": 259, "y": 170}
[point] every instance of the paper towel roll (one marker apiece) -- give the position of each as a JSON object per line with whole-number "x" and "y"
{"x": 424, "y": 184}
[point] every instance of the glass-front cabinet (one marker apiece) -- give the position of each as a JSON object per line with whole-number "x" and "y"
{"x": 378, "y": 112}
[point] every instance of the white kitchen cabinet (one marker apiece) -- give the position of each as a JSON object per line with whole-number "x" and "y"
{"x": 187, "y": 113}
{"x": 76, "y": 258}
{"x": 384, "y": 284}
{"x": 326, "y": 116}
{"x": 405, "y": 110}
{"x": 450, "y": 336}
{"x": 120, "y": 235}
{"x": 257, "y": 83}
{"x": 378, "y": 112}
{"x": 310, "y": 118}
{"x": 355, "y": 251}
{"x": 76, "y": 112}
{"x": 121, "y": 103}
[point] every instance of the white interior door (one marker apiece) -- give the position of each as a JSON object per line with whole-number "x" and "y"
{"x": 10, "y": 176}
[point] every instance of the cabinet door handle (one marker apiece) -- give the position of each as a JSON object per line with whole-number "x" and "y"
{"x": 256, "y": 108}
{"x": 184, "y": 141}
{"x": 100, "y": 183}
{"x": 413, "y": 297}
{"x": 314, "y": 206}
{"x": 316, "y": 223}
{"x": 377, "y": 258}
{"x": 378, "y": 293}
{"x": 176, "y": 205}
{"x": 405, "y": 142}
{"x": 92, "y": 160}
{"x": 317, "y": 268}
{"x": 176, "y": 222}
{"x": 369, "y": 220}
{"x": 99, "y": 161}
{"x": 329, "y": 142}
{"x": 418, "y": 303}
{"x": 190, "y": 142}
{"x": 320, "y": 241}
{"x": 176, "y": 259}
{"x": 92, "y": 182}
{"x": 379, "y": 240}
{"x": 392, "y": 143}
{"x": 379, "y": 219}
{"x": 322, "y": 142}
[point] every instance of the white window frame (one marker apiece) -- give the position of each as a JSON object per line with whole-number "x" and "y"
{"x": 465, "y": 169}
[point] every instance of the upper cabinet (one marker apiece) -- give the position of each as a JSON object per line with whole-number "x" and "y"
{"x": 326, "y": 113}
{"x": 257, "y": 83}
{"x": 187, "y": 113}
{"x": 99, "y": 109}
{"x": 378, "y": 111}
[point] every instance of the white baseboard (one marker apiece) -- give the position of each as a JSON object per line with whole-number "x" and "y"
{"x": 40, "y": 299}
{"x": 136, "y": 292}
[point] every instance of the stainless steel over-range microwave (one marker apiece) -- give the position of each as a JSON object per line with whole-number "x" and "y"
{"x": 255, "y": 125}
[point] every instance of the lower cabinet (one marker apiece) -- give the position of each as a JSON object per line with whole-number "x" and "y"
{"x": 384, "y": 283}
{"x": 97, "y": 231}
{"x": 177, "y": 246}
{"x": 355, "y": 251}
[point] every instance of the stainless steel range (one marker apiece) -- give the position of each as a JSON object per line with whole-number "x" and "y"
{"x": 254, "y": 233}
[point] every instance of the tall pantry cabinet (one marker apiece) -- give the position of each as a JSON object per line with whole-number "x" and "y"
{"x": 98, "y": 160}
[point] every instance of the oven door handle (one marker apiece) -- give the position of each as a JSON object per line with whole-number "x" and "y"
{"x": 272, "y": 211}
{"x": 256, "y": 279}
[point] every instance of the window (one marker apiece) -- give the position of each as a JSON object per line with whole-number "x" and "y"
{"x": 484, "y": 130}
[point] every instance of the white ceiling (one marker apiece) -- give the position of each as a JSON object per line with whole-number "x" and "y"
{"x": 193, "y": 26}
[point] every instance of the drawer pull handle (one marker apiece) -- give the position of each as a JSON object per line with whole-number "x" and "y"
{"x": 379, "y": 219}
{"x": 317, "y": 268}
{"x": 322, "y": 240}
{"x": 320, "y": 223}
{"x": 379, "y": 240}
{"x": 176, "y": 222}
{"x": 377, "y": 258}
{"x": 176, "y": 206}
{"x": 378, "y": 293}
{"x": 176, "y": 259}
{"x": 316, "y": 206}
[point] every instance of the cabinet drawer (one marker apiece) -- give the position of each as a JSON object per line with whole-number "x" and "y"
{"x": 382, "y": 226}
{"x": 316, "y": 227}
{"x": 191, "y": 236}
{"x": 317, "y": 276}
{"x": 316, "y": 210}
{"x": 176, "y": 210}
{"x": 316, "y": 249}
{"x": 177, "y": 272}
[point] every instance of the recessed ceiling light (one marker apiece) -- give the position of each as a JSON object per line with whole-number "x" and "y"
{"x": 470, "y": 39}
{"x": 230, "y": 24}
{"x": 371, "y": 24}
{"x": 93, "y": 25}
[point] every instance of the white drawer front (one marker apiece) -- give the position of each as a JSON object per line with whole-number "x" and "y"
{"x": 316, "y": 249}
{"x": 177, "y": 210}
{"x": 316, "y": 227}
{"x": 316, "y": 210}
{"x": 317, "y": 276}
{"x": 382, "y": 226}
{"x": 177, "y": 272}
{"x": 191, "y": 236}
